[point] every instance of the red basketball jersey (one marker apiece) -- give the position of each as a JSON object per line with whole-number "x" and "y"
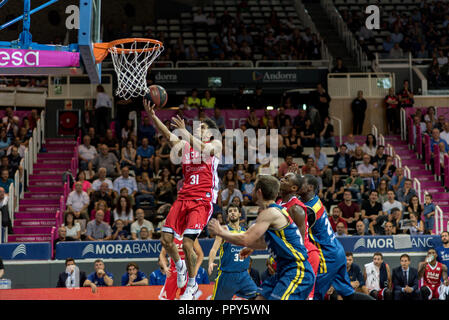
{"x": 200, "y": 176}
{"x": 295, "y": 201}
{"x": 432, "y": 275}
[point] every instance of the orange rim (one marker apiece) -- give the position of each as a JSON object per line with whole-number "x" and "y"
{"x": 101, "y": 49}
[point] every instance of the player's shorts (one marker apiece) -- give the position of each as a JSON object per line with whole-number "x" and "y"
{"x": 434, "y": 291}
{"x": 314, "y": 260}
{"x": 170, "y": 288}
{"x": 292, "y": 283}
{"x": 228, "y": 284}
{"x": 188, "y": 217}
{"x": 335, "y": 275}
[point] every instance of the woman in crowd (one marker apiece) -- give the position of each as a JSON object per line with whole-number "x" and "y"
{"x": 73, "y": 228}
{"x": 124, "y": 212}
{"x": 370, "y": 145}
{"x": 87, "y": 186}
{"x": 293, "y": 143}
{"x": 129, "y": 155}
{"x": 415, "y": 207}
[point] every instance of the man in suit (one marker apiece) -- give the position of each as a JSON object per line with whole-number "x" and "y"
{"x": 71, "y": 277}
{"x": 405, "y": 281}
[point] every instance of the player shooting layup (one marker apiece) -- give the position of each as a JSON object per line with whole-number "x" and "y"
{"x": 193, "y": 207}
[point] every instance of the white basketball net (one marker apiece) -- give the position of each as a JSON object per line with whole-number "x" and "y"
{"x": 132, "y": 67}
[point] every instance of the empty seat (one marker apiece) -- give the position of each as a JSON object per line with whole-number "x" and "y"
{"x": 201, "y": 42}
{"x": 175, "y": 35}
{"x": 161, "y": 21}
{"x": 201, "y": 35}
{"x": 174, "y": 28}
{"x": 188, "y": 42}
{"x": 186, "y": 15}
{"x": 137, "y": 28}
{"x": 173, "y": 21}
{"x": 202, "y": 49}
{"x": 187, "y": 35}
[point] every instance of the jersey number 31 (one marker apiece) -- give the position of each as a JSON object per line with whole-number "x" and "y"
{"x": 195, "y": 179}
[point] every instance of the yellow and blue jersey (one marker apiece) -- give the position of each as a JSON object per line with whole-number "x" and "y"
{"x": 321, "y": 233}
{"x": 230, "y": 260}
{"x": 285, "y": 245}
{"x": 332, "y": 269}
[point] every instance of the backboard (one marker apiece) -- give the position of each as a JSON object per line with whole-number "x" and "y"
{"x": 90, "y": 33}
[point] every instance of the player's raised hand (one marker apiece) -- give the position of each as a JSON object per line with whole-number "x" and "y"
{"x": 211, "y": 268}
{"x": 246, "y": 252}
{"x": 178, "y": 122}
{"x": 214, "y": 227}
{"x": 149, "y": 108}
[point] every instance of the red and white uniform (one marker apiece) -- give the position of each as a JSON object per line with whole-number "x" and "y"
{"x": 432, "y": 279}
{"x": 193, "y": 208}
{"x": 170, "y": 287}
{"x": 312, "y": 250}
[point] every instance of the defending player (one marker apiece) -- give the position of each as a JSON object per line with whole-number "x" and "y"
{"x": 193, "y": 208}
{"x": 275, "y": 229}
{"x": 170, "y": 288}
{"x": 297, "y": 210}
{"x": 233, "y": 277}
{"x": 432, "y": 273}
{"x": 332, "y": 269}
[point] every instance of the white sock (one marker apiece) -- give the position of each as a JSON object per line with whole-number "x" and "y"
{"x": 191, "y": 282}
{"x": 178, "y": 264}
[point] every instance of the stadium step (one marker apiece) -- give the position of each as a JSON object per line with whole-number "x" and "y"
{"x": 25, "y": 215}
{"x": 43, "y": 183}
{"x": 56, "y": 155}
{"x": 49, "y": 189}
{"x": 29, "y": 238}
{"x": 36, "y": 222}
{"x": 41, "y": 195}
{"x": 49, "y": 171}
{"x": 45, "y": 177}
{"x": 41, "y": 202}
{"x": 32, "y": 230}
{"x": 63, "y": 165}
{"x": 37, "y": 208}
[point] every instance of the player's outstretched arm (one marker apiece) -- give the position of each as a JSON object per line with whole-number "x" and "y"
{"x": 199, "y": 254}
{"x": 162, "y": 128}
{"x": 213, "y": 253}
{"x": 247, "y": 239}
{"x": 214, "y": 146}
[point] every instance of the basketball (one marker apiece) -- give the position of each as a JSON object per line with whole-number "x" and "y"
{"x": 157, "y": 95}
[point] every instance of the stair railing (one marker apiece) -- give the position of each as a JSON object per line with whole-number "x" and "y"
{"x": 340, "y": 134}
{"x": 407, "y": 172}
{"x": 439, "y": 220}
{"x": 417, "y": 187}
{"x": 446, "y": 170}
{"x": 403, "y": 121}
{"x": 436, "y": 162}
{"x": 397, "y": 161}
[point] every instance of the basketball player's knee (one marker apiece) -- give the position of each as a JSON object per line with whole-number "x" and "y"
{"x": 166, "y": 239}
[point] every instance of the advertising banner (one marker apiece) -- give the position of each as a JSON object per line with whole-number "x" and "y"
{"x": 18, "y": 58}
{"x": 387, "y": 244}
{"x": 118, "y": 249}
{"x": 233, "y": 118}
{"x": 25, "y": 251}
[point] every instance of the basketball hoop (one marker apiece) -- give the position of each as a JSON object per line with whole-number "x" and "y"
{"x": 131, "y": 58}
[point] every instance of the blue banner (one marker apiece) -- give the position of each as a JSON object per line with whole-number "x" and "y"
{"x": 386, "y": 244}
{"x": 152, "y": 248}
{"x": 119, "y": 249}
{"x": 25, "y": 251}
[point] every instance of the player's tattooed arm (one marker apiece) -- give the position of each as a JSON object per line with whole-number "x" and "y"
{"x": 421, "y": 268}
{"x": 444, "y": 275}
